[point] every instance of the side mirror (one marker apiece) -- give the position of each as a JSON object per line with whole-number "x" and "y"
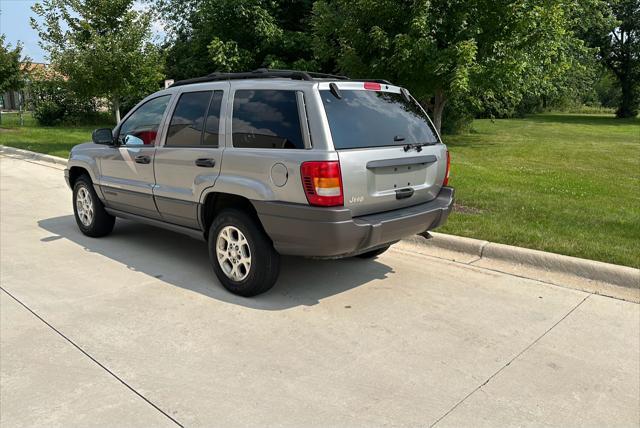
{"x": 102, "y": 136}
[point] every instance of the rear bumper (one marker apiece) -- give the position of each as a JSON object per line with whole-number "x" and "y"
{"x": 331, "y": 232}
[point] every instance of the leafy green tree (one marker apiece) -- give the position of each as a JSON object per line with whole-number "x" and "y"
{"x": 477, "y": 53}
{"x": 613, "y": 27}
{"x": 607, "y": 91}
{"x": 236, "y": 35}
{"x": 53, "y": 102}
{"x": 103, "y": 47}
{"x": 11, "y": 72}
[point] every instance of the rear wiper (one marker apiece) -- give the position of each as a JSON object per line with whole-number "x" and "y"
{"x": 418, "y": 146}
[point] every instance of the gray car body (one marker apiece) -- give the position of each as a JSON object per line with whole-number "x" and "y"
{"x": 171, "y": 191}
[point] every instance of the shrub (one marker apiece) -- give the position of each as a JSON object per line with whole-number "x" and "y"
{"x": 608, "y": 90}
{"x": 48, "y": 113}
{"x": 53, "y": 102}
{"x": 458, "y": 116}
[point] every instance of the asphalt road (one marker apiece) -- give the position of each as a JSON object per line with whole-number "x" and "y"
{"x": 134, "y": 330}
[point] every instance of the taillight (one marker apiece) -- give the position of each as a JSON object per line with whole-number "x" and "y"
{"x": 372, "y": 86}
{"x": 322, "y": 182}
{"x": 446, "y": 174}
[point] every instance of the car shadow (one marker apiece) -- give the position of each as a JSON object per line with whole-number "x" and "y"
{"x": 183, "y": 262}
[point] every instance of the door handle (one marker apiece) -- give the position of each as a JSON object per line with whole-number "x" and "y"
{"x": 206, "y": 162}
{"x": 143, "y": 159}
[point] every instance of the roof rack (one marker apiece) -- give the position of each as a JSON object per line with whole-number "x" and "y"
{"x": 264, "y": 73}
{"x": 314, "y": 75}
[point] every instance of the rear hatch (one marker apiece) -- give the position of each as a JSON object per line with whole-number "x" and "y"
{"x": 390, "y": 155}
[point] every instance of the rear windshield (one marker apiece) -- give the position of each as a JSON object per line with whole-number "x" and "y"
{"x": 374, "y": 119}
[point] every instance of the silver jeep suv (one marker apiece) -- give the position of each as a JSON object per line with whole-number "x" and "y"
{"x": 266, "y": 163}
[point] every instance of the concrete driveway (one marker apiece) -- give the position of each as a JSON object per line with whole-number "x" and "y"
{"x": 134, "y": 330}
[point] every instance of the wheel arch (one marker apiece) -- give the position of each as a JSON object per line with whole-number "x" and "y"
{"x": 78, "y": 162}
{"x": 75, "y": 172}
{"x": 214, "y": 202}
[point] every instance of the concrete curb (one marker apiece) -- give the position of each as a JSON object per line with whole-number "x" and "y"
{"x": 589, "y": 269}
{"x": 460, "y": 244}
{"x": 26, "y": 154}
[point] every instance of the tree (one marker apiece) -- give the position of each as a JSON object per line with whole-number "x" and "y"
{"x": 479, "y": 53}
{"x": 614, "y": 29}
{"x": 53, "y": 102}
{"x": 11, "y": 71}
{"x": 236, "y": 35}
{"x": 103, "y": 47}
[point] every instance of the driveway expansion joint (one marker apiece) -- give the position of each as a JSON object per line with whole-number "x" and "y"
{"x": 508, "y": 363}
{"x": 59, "y": 333}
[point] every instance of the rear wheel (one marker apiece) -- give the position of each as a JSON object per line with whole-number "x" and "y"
{"x": 242, "y": 256}
{"x": 374, "y": 253}
{"x": 91, "y": 217}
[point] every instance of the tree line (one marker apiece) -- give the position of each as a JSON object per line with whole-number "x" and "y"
{"x": 460, "y": 58}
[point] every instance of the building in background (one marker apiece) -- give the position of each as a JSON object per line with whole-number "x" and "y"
{"x": 14, "y": 100}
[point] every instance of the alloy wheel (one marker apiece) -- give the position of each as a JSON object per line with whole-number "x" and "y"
{"x": 233, "y": 253}
{"x": 84, "y": 206}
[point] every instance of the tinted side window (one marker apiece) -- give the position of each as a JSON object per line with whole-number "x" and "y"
{"x": 212, "y": 124}
{"x": 266, "y": 119}
{"x": 141, "y": 128}
{"x": 187, "y": 122}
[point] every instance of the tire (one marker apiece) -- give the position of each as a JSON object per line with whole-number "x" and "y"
{"x": 373, "y": 253}
{"x": 91, "y": 217}
{"x": 226, "y": 244}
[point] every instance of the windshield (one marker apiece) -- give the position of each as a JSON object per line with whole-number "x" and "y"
{"x": 375, "y": 119}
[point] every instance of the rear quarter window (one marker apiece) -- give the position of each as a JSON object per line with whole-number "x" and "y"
{"x": 266, "y": 119}
{"x": 363, "y": 118}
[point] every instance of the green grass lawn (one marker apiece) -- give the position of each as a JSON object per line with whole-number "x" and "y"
{"x": 564, "y": 183}
{"x": 568, "y": 184}
{"x": 55, "y": 140}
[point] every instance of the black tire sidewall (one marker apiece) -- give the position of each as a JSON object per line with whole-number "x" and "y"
{"x": 264, "y": 259}
{"x": 102, "y": 222}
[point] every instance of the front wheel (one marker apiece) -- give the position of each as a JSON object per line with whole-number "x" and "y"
{"x": 242, "y": 256}
{"x": 92, "y": 219}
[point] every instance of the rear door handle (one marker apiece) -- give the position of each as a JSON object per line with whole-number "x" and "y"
{"x": 206, "y": 162}
{"x": 143, "y": 159}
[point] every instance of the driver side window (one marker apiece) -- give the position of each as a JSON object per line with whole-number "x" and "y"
{"x": 141, "y": 128}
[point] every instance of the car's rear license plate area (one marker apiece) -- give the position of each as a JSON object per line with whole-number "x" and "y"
{"x": 398, "y": 177}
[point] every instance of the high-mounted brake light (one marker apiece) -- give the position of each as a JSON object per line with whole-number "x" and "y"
{"x": 372, "y": 86}
{"x": 447, "y": 172}
{"x": 322, "y": 183}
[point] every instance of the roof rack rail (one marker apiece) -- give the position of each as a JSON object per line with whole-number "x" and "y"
{"x": 261, "y": 73}
{"x": 316, "y": 75}
{"x": 264, "y": 73}
{"x": 327, "y": 76}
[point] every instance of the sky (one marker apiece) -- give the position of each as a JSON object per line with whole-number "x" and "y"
{"x": 14, "y": 24}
